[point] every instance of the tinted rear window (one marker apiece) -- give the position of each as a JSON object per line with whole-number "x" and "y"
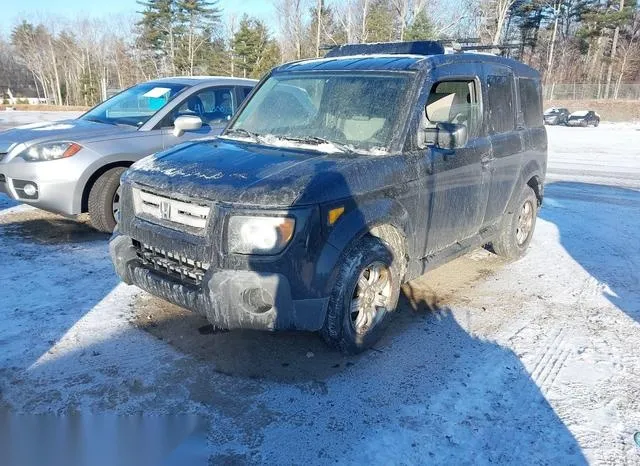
{"x": 530, "y": 102}
{"x": 501, "y": 111}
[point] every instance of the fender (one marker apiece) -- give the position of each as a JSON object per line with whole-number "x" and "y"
{"x": 100, "y": 162}
{"x": 529, "y": 170}
{"x": 351, "y": 226}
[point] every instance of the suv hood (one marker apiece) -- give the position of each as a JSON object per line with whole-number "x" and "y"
{"x": 65, "y": 130}
{"x": 250, "y": 174}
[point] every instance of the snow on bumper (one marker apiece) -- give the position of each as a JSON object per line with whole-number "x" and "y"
{"x": 228, "y": 298}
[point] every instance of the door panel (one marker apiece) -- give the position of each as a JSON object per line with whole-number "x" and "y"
{"x": 459, "y": 194}
{"x": 506, "y": 139}
{"x": 459, "y": 178}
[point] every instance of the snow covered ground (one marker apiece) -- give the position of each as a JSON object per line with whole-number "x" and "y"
{"x": 532, "y": 362}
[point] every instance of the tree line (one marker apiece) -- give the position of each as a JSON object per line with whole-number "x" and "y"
{"x": 75, "y": 62}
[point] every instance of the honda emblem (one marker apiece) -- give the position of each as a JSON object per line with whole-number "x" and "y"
{"x": 165, "y": 210}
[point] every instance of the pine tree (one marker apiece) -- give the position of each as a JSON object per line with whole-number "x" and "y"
{"x": 254, "y": 51}
{"x": 421, "y": 28}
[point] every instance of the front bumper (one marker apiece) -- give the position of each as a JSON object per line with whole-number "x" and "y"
{"x": 57, "y": 183}
{"x": 225, "y": 297}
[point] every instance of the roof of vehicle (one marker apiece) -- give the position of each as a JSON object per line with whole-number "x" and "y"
{"x": 193, "y": 80}
{"x": 402, "y": 62}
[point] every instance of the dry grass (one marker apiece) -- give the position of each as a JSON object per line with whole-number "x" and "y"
{"x": 46, "y": 108}
{"x": 609, "y": 110}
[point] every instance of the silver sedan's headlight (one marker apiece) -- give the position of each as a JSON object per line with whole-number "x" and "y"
{"x": 50, "y": 151}
{"x": 259, "y": 235}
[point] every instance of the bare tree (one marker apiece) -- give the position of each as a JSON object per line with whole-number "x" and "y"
{"x": 292, "y": 27}
{"x": 612, "y": 57}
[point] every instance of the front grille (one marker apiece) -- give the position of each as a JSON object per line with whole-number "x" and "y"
{"x": 190, "y": 214}
{"x": 176, "y": 266}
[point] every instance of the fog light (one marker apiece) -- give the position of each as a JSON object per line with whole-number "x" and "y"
{"x": 30, "y": 190}
{"x": 257, "y": 300}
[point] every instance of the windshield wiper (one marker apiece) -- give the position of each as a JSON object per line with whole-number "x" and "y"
{"x": 242, "y": 132}
{"x": 97, "y": 120}
{"x": 317, "y": 140}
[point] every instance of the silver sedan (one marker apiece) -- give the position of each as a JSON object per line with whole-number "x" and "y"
{"x": 74, "y": 166}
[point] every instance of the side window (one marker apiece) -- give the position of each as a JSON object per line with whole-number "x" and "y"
{"x": 500, "y": 108}
{"x": 455, "y": 102}
{"x": 245, "y": 92}
{"x": 530, "y": 102}
{"x": 213, "y": 105}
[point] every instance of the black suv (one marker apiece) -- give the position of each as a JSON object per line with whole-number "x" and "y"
{"x": 339, "y": 179}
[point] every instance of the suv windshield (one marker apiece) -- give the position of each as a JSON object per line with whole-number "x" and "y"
{"x": 333, "y": 112}
{"x": 134, "y": 106}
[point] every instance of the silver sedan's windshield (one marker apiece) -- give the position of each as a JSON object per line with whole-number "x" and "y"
{"x": 134, "y": 106}
{"x": 337, "y": 112}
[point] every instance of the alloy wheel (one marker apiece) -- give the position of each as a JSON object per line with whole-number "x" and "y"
{"x": 525, "y": 223}
{"x": 371, "y": 298}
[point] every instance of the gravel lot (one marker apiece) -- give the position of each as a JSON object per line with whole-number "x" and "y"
{"x": 530, "y": 362}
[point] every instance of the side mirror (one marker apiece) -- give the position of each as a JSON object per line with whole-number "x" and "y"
{"x": 186, "y": 123}
{"x": 451, "y": 136}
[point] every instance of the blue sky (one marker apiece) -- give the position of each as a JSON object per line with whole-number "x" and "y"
{"x": 12, "y": 10}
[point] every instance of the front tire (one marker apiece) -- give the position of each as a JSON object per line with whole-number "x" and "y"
{"x": 366, "y": 291}
{"x": 518, "y": 225}
{"x": 104, "y": 200}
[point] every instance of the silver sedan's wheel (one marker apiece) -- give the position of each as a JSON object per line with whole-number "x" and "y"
{"x": 115, "y": 204}
{"x": 104, "y": 200}
{"x": 372, "y": 297}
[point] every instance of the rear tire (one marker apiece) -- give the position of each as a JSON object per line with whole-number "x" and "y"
{"x": 518, "y": 225}
{"x": 596, "y": 123}
{"x": 362, "y": 298}
{"x": 104, "y": 200}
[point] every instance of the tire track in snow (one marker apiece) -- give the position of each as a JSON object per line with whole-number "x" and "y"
{"x": 551, "y": 361}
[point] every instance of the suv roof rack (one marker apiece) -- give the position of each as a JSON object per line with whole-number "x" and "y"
{"x": 458, "y": 47}
{"x": 421, "y": 47}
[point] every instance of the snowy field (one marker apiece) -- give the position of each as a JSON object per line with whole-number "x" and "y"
{"x": 532, "y": 362}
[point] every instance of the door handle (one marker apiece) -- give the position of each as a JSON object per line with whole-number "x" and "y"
{"x": 446, "y": 154}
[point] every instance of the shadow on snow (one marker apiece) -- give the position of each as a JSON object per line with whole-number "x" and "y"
{"x": 598, "y": 228}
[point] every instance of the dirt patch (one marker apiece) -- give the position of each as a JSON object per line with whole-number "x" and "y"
{"x": 300, "y": 356}
{"x": 609, "y": 110}
{"x": 46, "y": 228}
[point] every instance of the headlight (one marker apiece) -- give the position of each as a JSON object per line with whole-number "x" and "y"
{"x": 50, "y": 151}
{"x": 259, "y": 235}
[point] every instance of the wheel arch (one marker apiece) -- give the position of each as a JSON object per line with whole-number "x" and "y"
{"x": 84, "y": 206}
{"x": 535, "y": 183}
{"x": 384, "y": 219}
{"x": 531, "y": 175}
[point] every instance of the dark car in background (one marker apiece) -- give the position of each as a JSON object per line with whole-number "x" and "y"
{"x": 317, "y": 202}
{"x": 556, "y": 116}
{"x": 584, "y": 118}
